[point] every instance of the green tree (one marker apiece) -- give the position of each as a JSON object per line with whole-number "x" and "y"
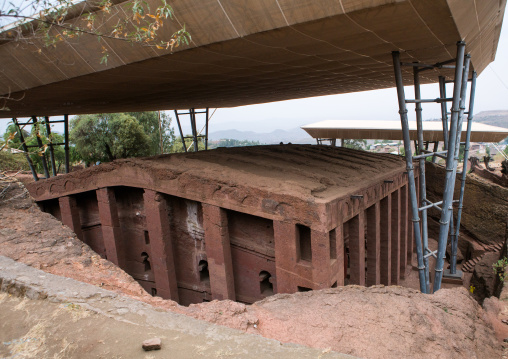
{"x": 106, "y": 137}
{"x": 149, "y": 120}
{"x": 11, "y": 136}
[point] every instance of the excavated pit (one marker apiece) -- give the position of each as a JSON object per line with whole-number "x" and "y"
{"x": 374, "y": 322}
{"x": 242, "y": 223}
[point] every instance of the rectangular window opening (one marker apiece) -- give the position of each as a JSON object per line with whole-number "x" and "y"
{"x": 333, "y": 244}
{"x": 304, "y": 243}
{"x": 304, "y": 289}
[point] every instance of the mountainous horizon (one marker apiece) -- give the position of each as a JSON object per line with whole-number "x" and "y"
{"x": 497, "y": 118}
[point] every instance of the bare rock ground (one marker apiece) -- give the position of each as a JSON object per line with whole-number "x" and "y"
{"x": 375, "y": 322}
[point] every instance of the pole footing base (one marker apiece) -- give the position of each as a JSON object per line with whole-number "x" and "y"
{"x": 452, "y": 278}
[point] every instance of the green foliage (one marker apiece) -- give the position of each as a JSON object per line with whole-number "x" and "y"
{"x": 13, "y": 161}
{"x": 150, "y": 123}
{"x": 177, "y": 145}
{"x": 232, "y": 143}
{"x": 11, "y": 136}
{"x": 355, "y": 144}
{"x": 106, "y": 137}
{"x": 506, "y": 150}
{"x": 500, "y": 268}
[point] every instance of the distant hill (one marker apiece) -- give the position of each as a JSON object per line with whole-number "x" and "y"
{"x": 493, "y": 118}
{"x": 295, "y": 135}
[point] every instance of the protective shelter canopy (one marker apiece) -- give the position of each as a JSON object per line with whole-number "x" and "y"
{"x": 391, "y": 130}
{"x": 246, "y": 52}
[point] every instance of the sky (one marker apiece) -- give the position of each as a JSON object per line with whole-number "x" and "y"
{"x": 491, "y": 94}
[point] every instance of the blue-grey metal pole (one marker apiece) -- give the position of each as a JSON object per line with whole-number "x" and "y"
{"x": 206, "y": 128}
{"x": 41, "y": 146}
{"x": 444, "y": 111}
{"x": 25, "y": 148}
{"x": 463, "y": 90}
{"x": 436, "y": 146}
{"x": 66, "y": 144}
{"x": 451, "y": 168}
{"x": 423, "y": 187}
{"x": 180, "y": 129}
{"x": 453, "y": 263}
{"x": 194, "y": 129}
{"x": 409, "y": 166}
{"x": 51, "y": 152}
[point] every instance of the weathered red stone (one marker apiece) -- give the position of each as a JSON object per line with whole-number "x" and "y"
{"x": 396, "y": 223}
{"x": 374, "y": 244}
{"x": 386, "y": 240}
{"x": 242, "y": 223}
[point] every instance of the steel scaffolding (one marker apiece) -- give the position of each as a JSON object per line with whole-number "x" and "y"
{"x": 451, "y": 139}
{"x": 195, "y": 135}
{"x": 34, "y": 121}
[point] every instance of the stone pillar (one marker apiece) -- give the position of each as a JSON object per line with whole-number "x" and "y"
{"x": 70, "y": 214}
{"x": 218, "y": 252}
{"x": 341, "y": 254}
{"x": 110, "y": 226}
{"x": 321, "y": 261}
{"x": 161, "y": 245}
{"x": 374, "y": 244}
{"x": 386, "y": 240}
{"x": 403, "y": 230}
{"x": 357, "y": 248}
{"x": 396, "y": 237}
{"x": 285, "y": 238}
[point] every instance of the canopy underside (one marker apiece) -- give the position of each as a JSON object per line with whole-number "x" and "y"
{"x": 249, "y": 52}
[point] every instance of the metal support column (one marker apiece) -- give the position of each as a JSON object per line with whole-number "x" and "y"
{"x": 66, "y": 143}
{"x": 451, "y": 164}
{"x": 206, "y": 130}
{"x": 194, "y": 130}
{"x": 453, "y": 262}
{"x": 423, "y": 189}
{"x": 50, "y": 144}
{"x": 451, "y": 137}
{"x": 409, "y": 166}
{"x": 444, "y": 111}
{"x": 436, "y": 146}
{"x": 452, "y": 234}
{"x": 41, "y": 146}
{"x": 180, "y": 129}
{"x": 25, "y": 149}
